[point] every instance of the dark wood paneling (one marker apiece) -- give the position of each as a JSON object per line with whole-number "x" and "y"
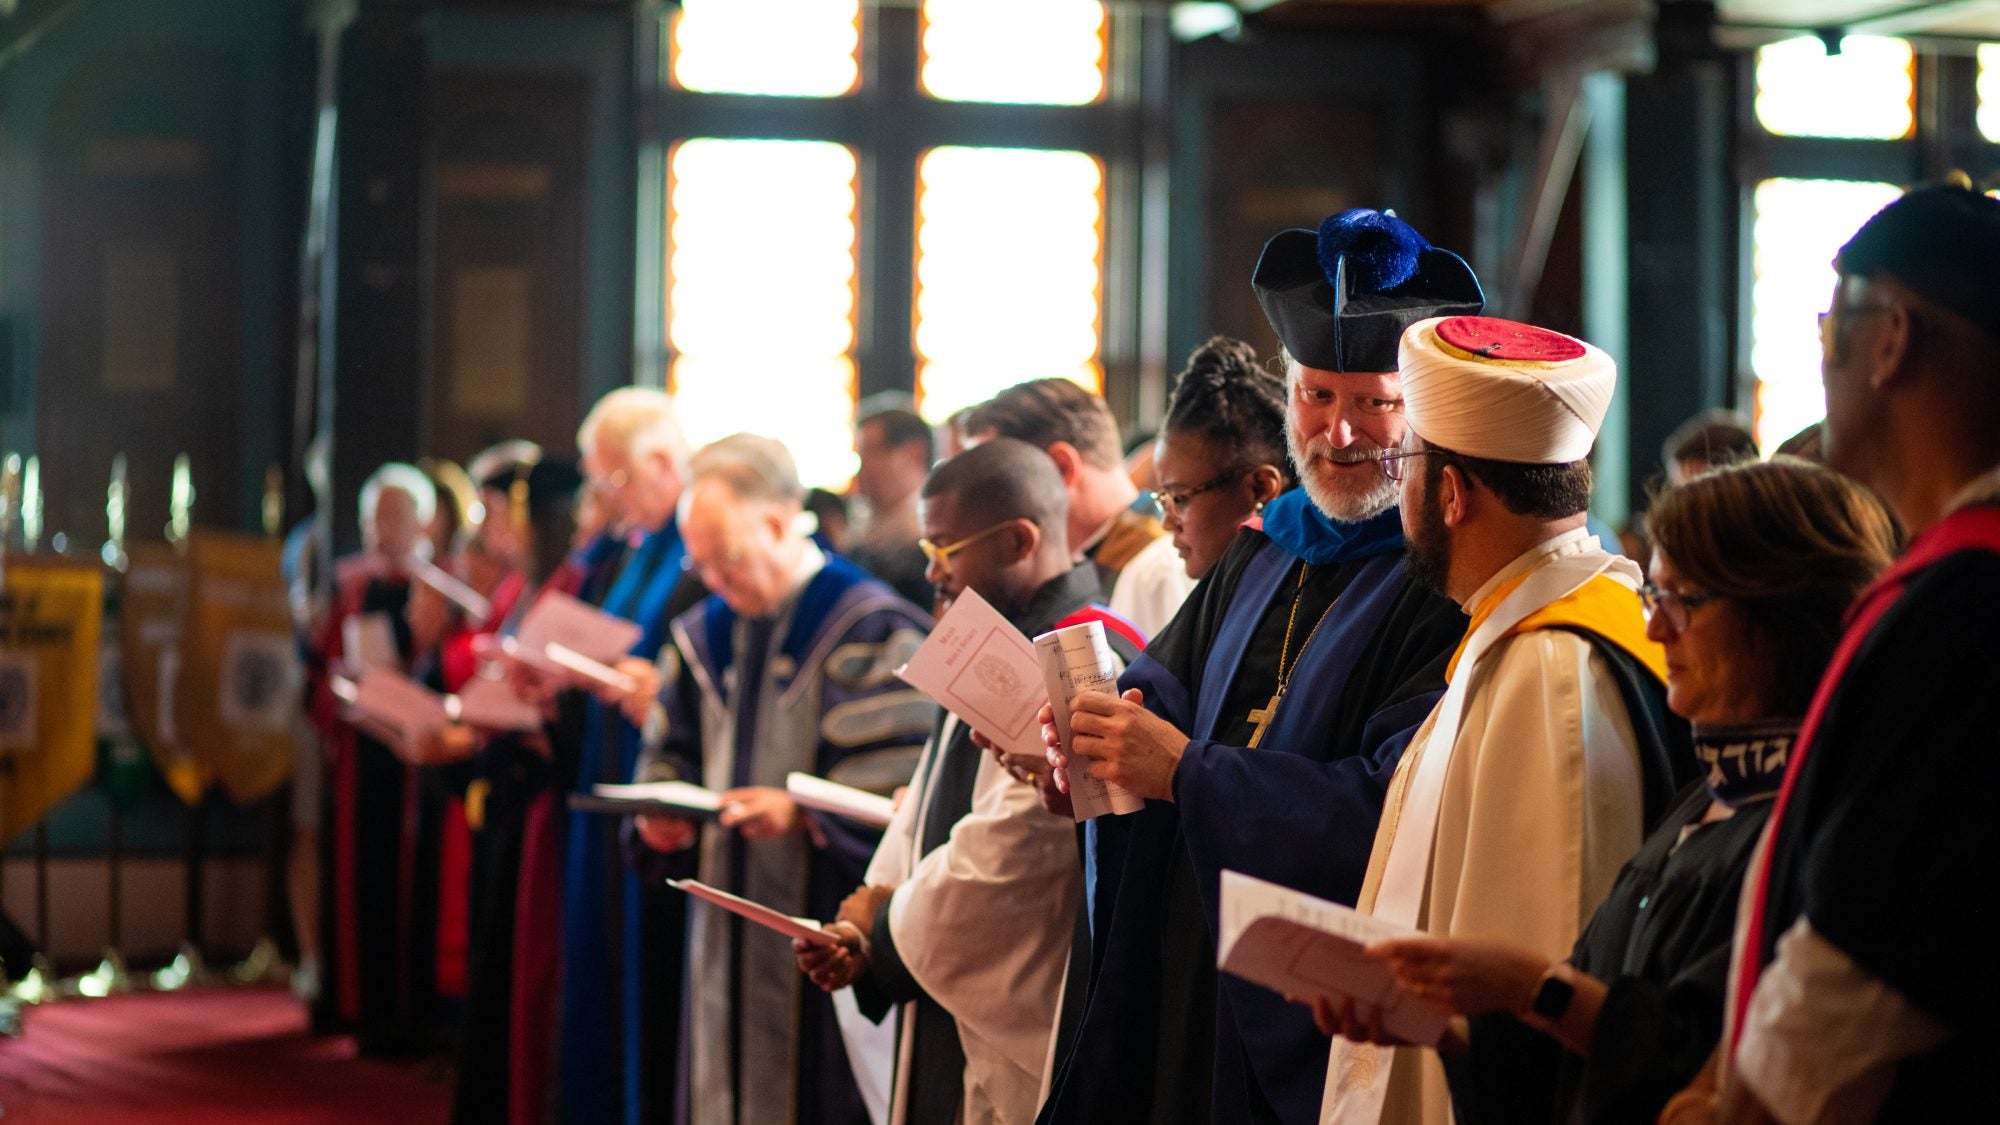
{"x": 1277, "y": 164}
{"x": 377, "y": 307}
{"x": 508, "y": 189}
{"x": 138, "y": 348}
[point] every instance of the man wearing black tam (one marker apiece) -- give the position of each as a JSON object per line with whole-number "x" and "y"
{"x": 1263, "y": 724}
{"x": 1863, "y": 986}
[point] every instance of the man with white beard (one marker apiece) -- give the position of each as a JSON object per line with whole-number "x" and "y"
{"x": 1263, "y": 724}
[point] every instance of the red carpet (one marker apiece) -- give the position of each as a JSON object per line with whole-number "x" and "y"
{"x": 220, "y": 1056}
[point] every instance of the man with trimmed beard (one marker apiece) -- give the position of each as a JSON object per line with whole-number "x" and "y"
{"x": 1534, "y": 779}
{"x": 1263, "y": 724}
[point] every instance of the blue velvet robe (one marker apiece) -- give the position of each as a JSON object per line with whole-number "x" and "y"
{"x": 611, "y": 1036}
{"x": 1162, "y": 1036}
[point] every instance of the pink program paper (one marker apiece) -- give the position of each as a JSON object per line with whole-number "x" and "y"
{"x": 764, "y": 916}
{"x": 980, "y": 668}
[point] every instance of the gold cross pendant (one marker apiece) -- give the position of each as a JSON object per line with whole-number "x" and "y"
{"x": 1262, "y": 717}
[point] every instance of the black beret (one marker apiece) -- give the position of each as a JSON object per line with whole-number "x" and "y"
{"x": 1943, "y": 242}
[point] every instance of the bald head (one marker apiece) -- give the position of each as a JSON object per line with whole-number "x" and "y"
{"x": 1004, "y": 479}
{"x": 999, "y": 511}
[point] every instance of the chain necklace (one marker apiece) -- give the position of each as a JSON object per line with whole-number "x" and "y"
{"x": 1262, "y": 716}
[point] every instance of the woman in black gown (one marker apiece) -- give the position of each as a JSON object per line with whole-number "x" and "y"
{"x": 1221, "y": 453}
{"x": 1753, "y": 567}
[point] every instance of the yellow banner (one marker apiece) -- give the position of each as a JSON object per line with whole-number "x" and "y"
{"x": 51, "y": 614}
{"x": 152, "y": 601}
{"x": 239, "y": 671}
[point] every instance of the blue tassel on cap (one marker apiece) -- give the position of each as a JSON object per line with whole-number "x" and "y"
{"x": 1381, "y": 249}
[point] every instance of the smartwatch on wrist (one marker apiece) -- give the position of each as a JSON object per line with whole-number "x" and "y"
{"x": 1553, "y": 995}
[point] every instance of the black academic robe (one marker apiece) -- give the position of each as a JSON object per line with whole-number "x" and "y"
{"x": 514, "y": 777}
{"x": 1887, "y": 843}
{"x": 1161, "y": 1036}
{"x": 904, "y": 566}
{"x": 379, "y": 865}
{"x": 936, "y": 1065}
{"x": 1661, "y": 942}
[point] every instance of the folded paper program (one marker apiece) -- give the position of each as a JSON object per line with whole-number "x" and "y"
{"x": 1307, "y": 948}
{"x": 804, "y": 928}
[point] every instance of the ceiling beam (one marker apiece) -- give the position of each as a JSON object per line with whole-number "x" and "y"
{"x": 1917, "y": 18}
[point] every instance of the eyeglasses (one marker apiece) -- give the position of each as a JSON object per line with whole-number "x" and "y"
{"x": 940, "y": 553}
{"x": 1173, "y": 503}
{"x": 1672, "y": 604}
{"x": 707, "y": 569}
{"x": 1826, "y": 320}
{"x": 610, "y": 482}
{"x": 1392, "y": 460}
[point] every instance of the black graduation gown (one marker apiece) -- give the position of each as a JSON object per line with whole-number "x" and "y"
{"x": 1161, "y": 1037}
{"x": 514, "y": 775}
{"x": 393, "y": 820}
{"x": 1661, "y": 941}
{"x": 1889, "y": 845}
{"x": 903, "y": 567}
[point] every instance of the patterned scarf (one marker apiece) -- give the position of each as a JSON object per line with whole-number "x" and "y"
{"x": 1746, "y": 763}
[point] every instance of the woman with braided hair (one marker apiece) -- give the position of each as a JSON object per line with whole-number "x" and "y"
{"x": 1221, "y": 452}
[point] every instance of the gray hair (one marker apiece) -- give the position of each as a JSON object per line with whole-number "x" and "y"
{"x": 1288, "y": 365}
{"x": 752, "y": 467}
{"x": 639, "y": 420}
{"x": 403, "y": 477}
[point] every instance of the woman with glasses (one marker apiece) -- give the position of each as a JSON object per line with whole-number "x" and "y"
{"x": 1753, "y": 567}
{"x": 1221, "y": 454}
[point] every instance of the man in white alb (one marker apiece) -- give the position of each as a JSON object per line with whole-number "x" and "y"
{"x": 1528, "y": 786}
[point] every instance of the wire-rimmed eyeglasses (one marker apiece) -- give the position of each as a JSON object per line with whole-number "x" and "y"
{"x": 1673, "y": 606}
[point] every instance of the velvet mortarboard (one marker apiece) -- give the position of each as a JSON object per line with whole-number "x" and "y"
{"x": 1942, "y": 242}
{"x": 1340, "y": 297}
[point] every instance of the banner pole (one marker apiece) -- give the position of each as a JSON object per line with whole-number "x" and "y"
{"x": 111, "y": 976}
{"x": 266, "y": 961}
{"x": 189, "y": 966}
{"x": 42, "y": 885}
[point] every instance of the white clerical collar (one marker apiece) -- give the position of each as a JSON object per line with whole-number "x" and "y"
{"x": 1575, "y": 541}
{"x": 811, "y": 561}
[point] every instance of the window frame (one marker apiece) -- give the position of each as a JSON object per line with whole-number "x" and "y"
{"x": 889, "y": 123}
{"x": 1945, "y": 137}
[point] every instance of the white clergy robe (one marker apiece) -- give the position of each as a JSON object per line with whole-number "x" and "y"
{"x": 1151, "y": 587}
{"x": 983, "y": 923}
{"x": 1540, "y": 806}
